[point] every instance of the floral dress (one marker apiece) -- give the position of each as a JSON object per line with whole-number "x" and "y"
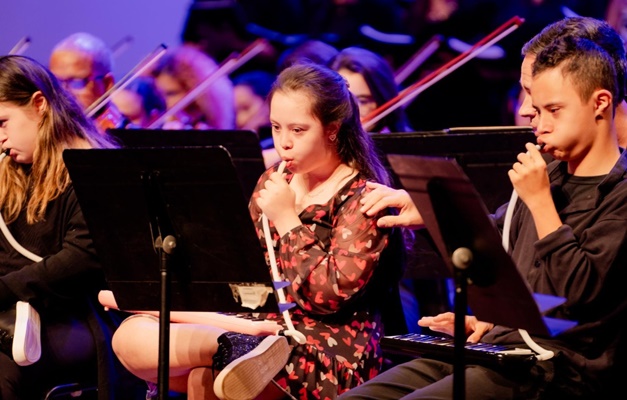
{"x": 329, "y": 261}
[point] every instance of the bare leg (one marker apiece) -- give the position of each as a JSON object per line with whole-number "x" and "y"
{"x": 136, "y": 343}
{"x": 200, "y": 387}
{"x": 200, "y": 384}
{"x": 192, "y": 347}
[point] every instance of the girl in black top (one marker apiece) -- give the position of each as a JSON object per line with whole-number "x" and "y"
{"x": 38, "y": 120}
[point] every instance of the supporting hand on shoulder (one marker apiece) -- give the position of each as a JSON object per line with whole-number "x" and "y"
{"x": 379, "y": 197}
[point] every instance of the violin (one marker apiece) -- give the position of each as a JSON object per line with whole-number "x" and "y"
{"x": 110, "y": 118}
{"x": 184, "y": 121}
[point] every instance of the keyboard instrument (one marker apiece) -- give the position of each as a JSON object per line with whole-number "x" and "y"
{"x": 442, "y": 348}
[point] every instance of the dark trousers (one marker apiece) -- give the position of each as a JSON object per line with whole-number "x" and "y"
{"x": 430, "y": 379}
{"x": 68, "y": 355}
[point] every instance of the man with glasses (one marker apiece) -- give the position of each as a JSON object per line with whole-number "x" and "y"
{"x": 83, "y": 64}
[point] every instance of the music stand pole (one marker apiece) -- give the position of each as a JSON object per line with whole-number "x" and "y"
{"x": 462, "y": 259}
{"x": 165, "y": 248}
{"x": 133, "y": 199}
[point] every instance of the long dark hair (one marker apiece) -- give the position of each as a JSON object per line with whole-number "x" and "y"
{"x": 332, "y": 102}
{"x": 63, "y": 126}
{"x": 380, "y": 80}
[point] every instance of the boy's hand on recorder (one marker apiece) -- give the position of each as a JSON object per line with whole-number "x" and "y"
{"x": 529, "y": 177}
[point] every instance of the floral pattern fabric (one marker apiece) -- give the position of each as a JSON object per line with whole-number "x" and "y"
{"x": 329, "y": 260}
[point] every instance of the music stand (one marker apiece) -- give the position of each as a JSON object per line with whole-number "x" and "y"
{"x": 242, "y": 145}
{"x": 485, "y": 154}
{"x": 137, "y": 201}
{"x": 458, "y": 221}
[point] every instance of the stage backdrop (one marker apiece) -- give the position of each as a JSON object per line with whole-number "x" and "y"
{"x": 145, "y": 23}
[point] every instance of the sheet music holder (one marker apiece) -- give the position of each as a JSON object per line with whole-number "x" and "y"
{"x": 243, "y": 146}
{"x": 485, "y": 153}
{"x": 132, "y": 197}
{"x": 457, "y": 219}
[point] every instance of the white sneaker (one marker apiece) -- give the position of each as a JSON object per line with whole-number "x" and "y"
{"x": 245, "y": 377}
{"x": 26, "y": 338}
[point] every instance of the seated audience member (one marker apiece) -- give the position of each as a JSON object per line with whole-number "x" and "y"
{"x": 180, "y": 71}
{"x": 567, "y": 238}
{"x": 49, "y": 261}
{"x": 83, "y": 65}
{"x": 331, "y": 253}
{"x": 140, "y": 102}
{"x": 371, "y": 80}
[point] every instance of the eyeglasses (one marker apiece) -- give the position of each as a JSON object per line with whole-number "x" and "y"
{"x": 78, "y": 83}
{"x": 364, "y": 100}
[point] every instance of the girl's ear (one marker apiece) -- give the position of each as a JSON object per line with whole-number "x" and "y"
{"x": 331, "y": 130}
{"x": 39, "y": 102}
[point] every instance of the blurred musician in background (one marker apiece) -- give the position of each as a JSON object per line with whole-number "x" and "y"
{"x": 251, "y": 109}
{"x": 181, "y": 70}
{"x": 83, "y": 65}
{"x": 616, "y": 16}
{"x": 314, "y": 51}
{"x": 140, "y": 102}
{"x": 371, "y": 80}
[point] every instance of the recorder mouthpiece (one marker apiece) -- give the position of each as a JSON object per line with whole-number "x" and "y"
{"x": 281, "y": 167}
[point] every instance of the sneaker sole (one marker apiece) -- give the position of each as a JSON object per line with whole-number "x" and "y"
{"x": 247, "y": 376}
{"x": 26, "y": 338}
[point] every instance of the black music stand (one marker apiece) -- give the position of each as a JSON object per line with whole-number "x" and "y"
{"x": 458, "y": 222}
{"x": 242, "y": 145}
{"x": 485, "y": 153}
{"x": 173, "y": 232}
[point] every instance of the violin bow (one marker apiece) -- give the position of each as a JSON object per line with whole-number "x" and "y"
{"x": 418, "y": 58}
{"x": 228, "y": 66}
{"x": 121, "y": 46}
{"x": 410, "y": 93}
{"x": 139, "y": 69}
{"x": 20, "y": 47}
